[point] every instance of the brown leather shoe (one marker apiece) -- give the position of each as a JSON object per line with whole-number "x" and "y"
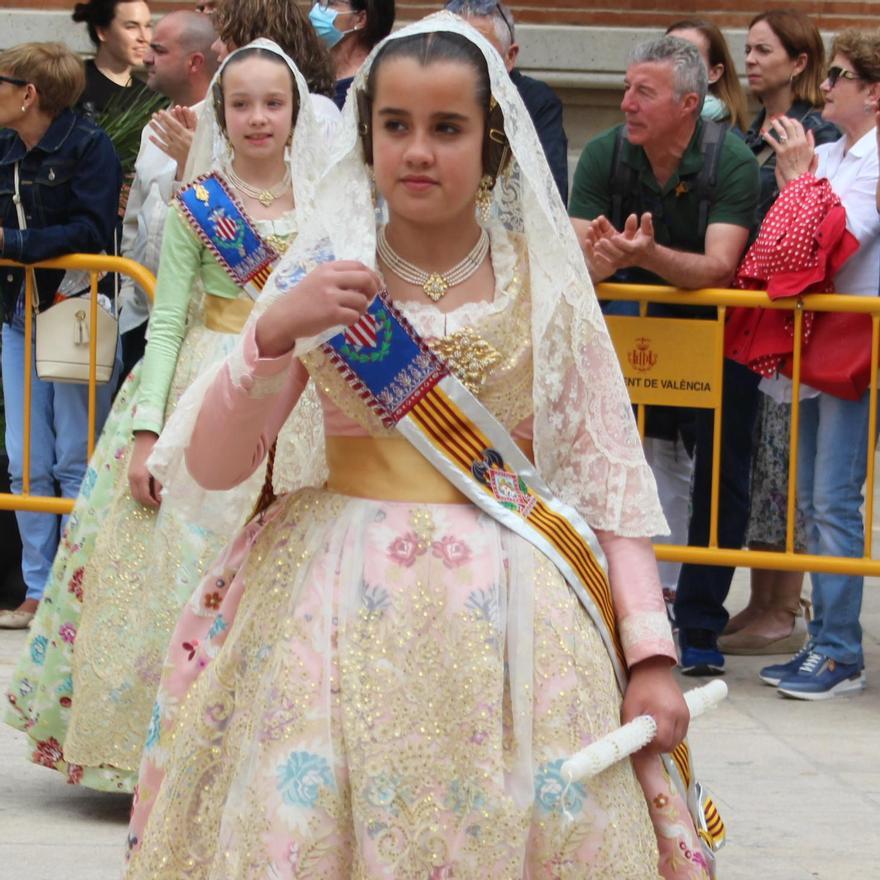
{"x": 745, "y": 642}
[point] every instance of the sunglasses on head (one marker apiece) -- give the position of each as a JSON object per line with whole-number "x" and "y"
{"x": 13, "y": 80}
{"x": 481, "y": 7}
{"x": 835, "y": 73}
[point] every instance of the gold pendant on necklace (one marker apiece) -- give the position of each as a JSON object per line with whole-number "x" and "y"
{"x": 435, "y": 286}
{"x": 265, "y": 198}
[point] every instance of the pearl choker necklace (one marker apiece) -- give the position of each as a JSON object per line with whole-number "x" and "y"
{"x": 264, "y": 196}
{"x": 435, "y": 284}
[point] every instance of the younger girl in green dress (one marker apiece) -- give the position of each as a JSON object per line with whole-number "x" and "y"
{"x": 130, "y": 557}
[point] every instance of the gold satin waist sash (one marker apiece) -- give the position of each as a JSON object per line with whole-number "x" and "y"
{"x": 224, "y": 315}
{"x": 390, "y": 469}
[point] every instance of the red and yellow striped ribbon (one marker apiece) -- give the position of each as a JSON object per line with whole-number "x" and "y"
{"x": 259, "y": 280}
{"x": 714, "y": 830}
{"x": 459, "y": 440}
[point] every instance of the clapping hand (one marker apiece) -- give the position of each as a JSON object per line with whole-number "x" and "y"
{"x": 603, "y": 259}
{"x": 795, "y": 149}
{"x": 173, "y": 133}
{"x": 633, "y": 246}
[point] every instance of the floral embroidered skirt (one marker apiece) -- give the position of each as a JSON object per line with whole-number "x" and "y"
{"x": 372, "y": 689}
{"x": 86, "y": 682}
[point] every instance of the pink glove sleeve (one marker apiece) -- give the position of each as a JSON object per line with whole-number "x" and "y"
{"x": 241, "y": 415}
{"x": 638, "y": 598}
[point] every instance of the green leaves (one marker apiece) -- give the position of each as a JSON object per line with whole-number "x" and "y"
{"x": 124, "y": 118}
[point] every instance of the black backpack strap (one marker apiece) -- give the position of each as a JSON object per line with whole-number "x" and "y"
{"x": 711, "y": 144}
{"x": 622, "y": 183}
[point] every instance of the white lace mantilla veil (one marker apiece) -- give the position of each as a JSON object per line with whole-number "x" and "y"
{"x": 210, "y": 149}
{"x": 587, "y": 446}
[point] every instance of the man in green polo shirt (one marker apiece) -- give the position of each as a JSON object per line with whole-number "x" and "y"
{"x": 663, "y": 92}
{"x": 647, "y": 211}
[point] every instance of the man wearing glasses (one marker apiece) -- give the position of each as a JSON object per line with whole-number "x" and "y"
{"x": 494, "y": 21}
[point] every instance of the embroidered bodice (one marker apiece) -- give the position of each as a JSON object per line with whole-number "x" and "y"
{"x": 487, "y": 345}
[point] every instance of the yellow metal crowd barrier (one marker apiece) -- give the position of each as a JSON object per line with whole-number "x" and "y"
{"x": 679, "y": 362}
{"x": 94, "y": 265}
{"x": 666, "y": 362}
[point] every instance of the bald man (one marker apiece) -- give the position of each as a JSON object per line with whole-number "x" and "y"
{"x": 180, "y": 64}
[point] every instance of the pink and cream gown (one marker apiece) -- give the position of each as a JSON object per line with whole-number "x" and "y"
{"x": 377, "y": 680}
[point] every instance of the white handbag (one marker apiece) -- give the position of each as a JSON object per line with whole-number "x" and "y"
{"x": 63, "y": 332}
{"x": 62, "y": 342}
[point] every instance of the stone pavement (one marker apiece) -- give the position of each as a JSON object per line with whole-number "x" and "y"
{"x": 797, "y": 783}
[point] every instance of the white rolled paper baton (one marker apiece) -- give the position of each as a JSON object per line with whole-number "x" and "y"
{"x": 626, "y": 740}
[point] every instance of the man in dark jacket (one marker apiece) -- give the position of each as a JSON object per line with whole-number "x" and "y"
{"x": 494, "y": 21}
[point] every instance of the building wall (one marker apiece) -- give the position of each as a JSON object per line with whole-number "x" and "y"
{"x": 829, "y": 14}
{"x": 656, "y": 13}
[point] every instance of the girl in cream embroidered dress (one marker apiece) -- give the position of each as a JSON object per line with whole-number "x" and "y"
{"x": 386, "y": 685}
{"x": 84, "y": 687}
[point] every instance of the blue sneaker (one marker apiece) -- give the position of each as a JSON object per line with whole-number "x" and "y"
{"x": 774, "y": 674}
{"x": 820, "y": 678}
{"x": 699, "y": 652}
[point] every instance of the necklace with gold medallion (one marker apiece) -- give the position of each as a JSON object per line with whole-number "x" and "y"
{"x": 265, "y": 196}
{"x": 434, "y": 284}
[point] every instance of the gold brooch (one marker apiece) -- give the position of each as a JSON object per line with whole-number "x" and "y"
{"x": 468, "y": 356}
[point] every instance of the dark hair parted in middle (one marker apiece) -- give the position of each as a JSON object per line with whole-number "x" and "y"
{"x": 799, "y": 36}
{"x": 238, "y": 58}
{"x": 430, "y": 48}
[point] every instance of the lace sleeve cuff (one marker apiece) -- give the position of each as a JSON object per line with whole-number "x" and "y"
{"x": 646, "y": 634}
{"x": 148, "y": 418}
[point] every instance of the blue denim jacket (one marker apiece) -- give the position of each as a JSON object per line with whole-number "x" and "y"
{"x": 69, "y": 184}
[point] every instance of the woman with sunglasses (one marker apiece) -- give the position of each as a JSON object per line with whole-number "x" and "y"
{"x": 833, "y": 438}
{"x": 350, "y": 29}
{"x": 785, "y": 64}
{"x": 65, "y": 172}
